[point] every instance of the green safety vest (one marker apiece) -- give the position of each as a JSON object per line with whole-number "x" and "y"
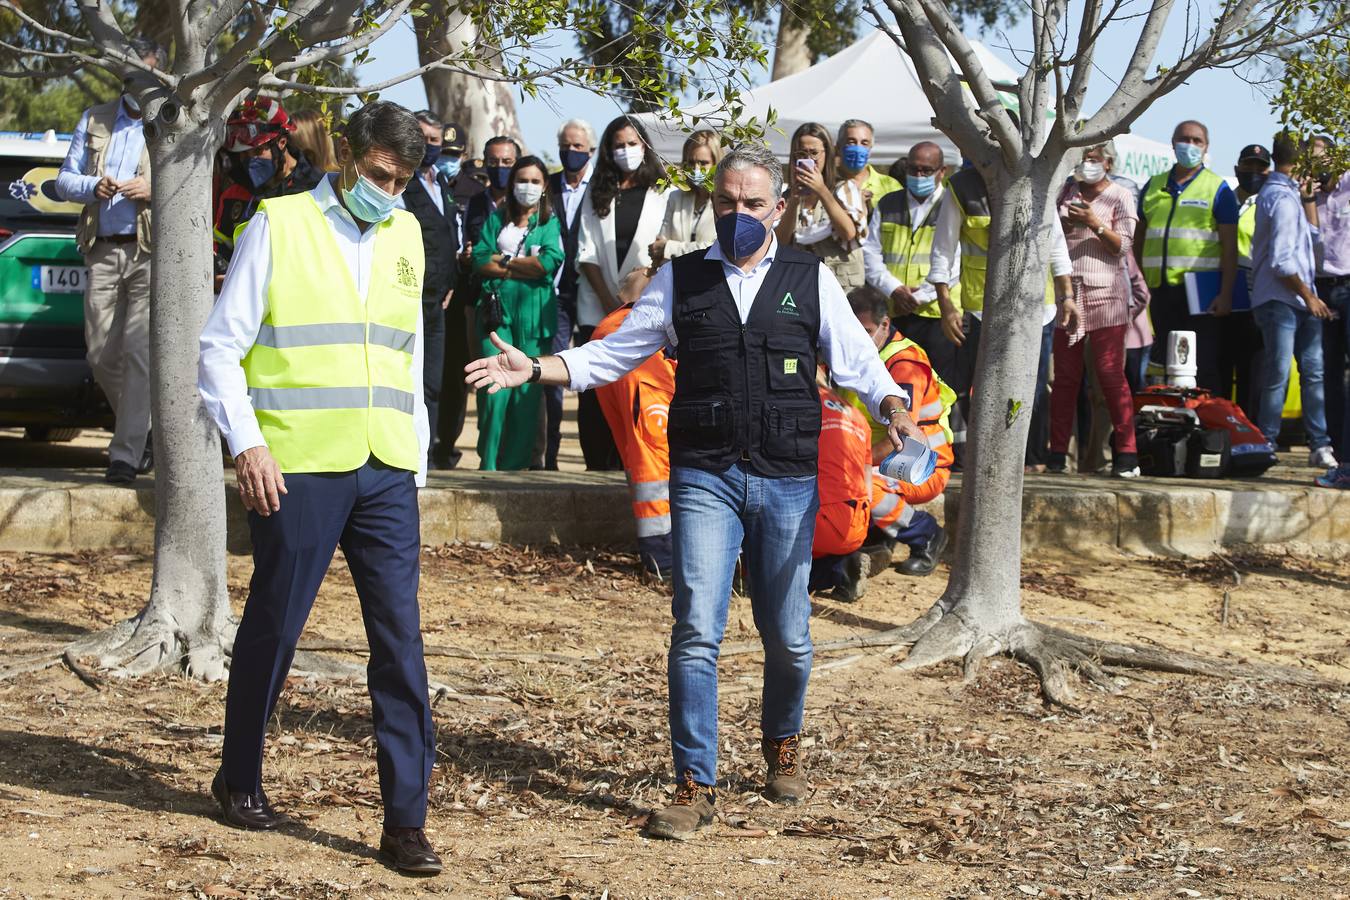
{"x": 330, "y": 375}
{"x": 1181, "y": 235}
{"x": 1245, "y": 231}
{"x": 972, "y": 198}
{"x": 908, "y": 251}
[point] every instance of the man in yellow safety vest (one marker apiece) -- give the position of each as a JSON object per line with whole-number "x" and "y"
{"x": 1188, "y": 220}
{"x": 311, "y": 366}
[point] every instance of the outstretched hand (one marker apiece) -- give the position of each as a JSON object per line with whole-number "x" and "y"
{"x": 508, "y": 368}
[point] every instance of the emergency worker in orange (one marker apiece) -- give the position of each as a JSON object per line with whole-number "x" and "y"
{"x": 929, "y": 400}
{"x": 637, "y": 407}
{"x": 839, "y": 559}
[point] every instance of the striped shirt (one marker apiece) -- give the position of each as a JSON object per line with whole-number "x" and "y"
{"x": 1101, "y": 282}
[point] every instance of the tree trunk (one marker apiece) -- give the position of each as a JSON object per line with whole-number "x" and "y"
{"x": 483, "y": 108}
{"x": 791, "y": 55}
{"x": 187, "y": 620}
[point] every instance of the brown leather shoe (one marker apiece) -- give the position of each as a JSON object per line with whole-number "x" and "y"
{"x": 785, "y": 782}
{"x": 249, "y": 811}
{"x": 691, "y": 809}
{"x": 409, "y": 851}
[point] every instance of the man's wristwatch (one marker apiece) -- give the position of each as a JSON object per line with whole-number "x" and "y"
{"x": 1099, "y": 230}
{"x": 536, "y": 370}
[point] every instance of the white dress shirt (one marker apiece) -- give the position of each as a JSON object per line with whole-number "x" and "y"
{"x": 844, "y": 345}
{"x": 571, "y": 196}
{"x": 233, "y": 325}
{"x": 947, "y": 248}
{"x": 874, "y": 262}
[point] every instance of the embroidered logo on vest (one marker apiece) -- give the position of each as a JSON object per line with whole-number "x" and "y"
{"x": 787, "y": 306}
{"x": 406, "y": 274}
{"x": 790, "y": 366}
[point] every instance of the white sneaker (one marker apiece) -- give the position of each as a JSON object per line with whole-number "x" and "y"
{"x": 1322, "y": 458}
{"x": 1126, "y": 473}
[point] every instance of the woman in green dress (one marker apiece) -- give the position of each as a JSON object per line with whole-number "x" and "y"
{"x": 517, "y": 256}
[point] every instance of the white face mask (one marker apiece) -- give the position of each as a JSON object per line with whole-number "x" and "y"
{"x": 528, "y": 194}
{"x": 629, "y": 159}
{"x": 1091, "y": 171}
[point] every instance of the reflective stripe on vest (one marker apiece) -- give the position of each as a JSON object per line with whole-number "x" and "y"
{"x": 972, "y": 199}
{"x": 908, "y": 251}
{"x": 330, "y": 375}
{"x": 1181, "y": 235}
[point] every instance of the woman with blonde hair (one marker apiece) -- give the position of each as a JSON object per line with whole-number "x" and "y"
{"x": 311, "y": 138}
{"x": 825, "y": 215}
{"x": 690, "y": 222}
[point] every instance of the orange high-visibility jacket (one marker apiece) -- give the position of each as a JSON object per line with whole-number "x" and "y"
{"x": 637, "y": 408}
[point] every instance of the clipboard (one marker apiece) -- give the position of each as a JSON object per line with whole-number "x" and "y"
{"x": 1203, "y": 287}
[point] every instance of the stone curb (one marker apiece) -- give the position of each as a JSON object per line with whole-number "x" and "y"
{"x": 1173, "y": 518}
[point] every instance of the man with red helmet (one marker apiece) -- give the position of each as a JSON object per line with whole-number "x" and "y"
{"x": 260, "y": 164}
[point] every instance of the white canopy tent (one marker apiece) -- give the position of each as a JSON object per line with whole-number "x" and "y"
{"x": 873, "y": 80}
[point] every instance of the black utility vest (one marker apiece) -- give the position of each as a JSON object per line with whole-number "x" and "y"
{"x": 747, "y": 392}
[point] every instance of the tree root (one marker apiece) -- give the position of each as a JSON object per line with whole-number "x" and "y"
{"x": 1055, "y": 654}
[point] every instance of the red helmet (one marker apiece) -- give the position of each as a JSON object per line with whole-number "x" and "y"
{"x": 255, "y": 123}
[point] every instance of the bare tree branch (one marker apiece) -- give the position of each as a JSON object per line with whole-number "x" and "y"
{"x": 989, "y": 105}
{"x": 348, "y": 47}
{"x": 1089, "y": 29}
{"x": 213, "y": 18}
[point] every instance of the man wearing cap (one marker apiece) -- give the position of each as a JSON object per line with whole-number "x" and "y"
{"x": 311, "y": 367}
{"x": 1240, "y": 348}
{"x": 262, "y": 165}
{"x": 1188, "y": 218}
{"x": 428, "y": 197}
{"x": 107, "y": 169}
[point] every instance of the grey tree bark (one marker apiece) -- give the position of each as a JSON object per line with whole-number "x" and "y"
{"x": 791, "y": 54}
{"x": 484, "y": 108}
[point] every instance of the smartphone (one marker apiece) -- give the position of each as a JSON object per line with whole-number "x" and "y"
{"x": 808, "y": 164}
{"x": 1079, "y": 204}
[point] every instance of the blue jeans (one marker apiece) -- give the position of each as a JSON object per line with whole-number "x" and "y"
{"x": 1288, "y": 332}
{"x": 714, "y": 515}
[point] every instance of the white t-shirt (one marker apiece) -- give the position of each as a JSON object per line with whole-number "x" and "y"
{"x": 509, "y": 239}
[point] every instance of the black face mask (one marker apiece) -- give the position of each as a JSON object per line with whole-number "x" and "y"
{"x": 1251, "y": 182}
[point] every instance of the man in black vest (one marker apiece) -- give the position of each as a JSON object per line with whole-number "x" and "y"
{"x": 567, "y": 190}
{"x": 749, "y": 318}
{"x": 428, "y": 197}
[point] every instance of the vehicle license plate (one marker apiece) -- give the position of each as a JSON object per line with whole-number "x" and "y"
{"x": 60, "y": 279}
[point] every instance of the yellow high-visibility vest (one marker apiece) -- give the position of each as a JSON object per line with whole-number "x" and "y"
{"x": 908, "y": 251}
{"x": 1180, "y": 232}
{"x": 972, "y": 199}
{"x": 931, "y": 412}
{"x": 1246, "y": 230}
{"x": 330, "y": 375}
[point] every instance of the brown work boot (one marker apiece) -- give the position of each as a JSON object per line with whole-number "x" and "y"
{"x": 691, "y": 809}
{"x": 785, "y": 782}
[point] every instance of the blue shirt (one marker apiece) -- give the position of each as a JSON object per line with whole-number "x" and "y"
{"x": 1225, "y": 209}
{"x": 1283, "y": 244}
{"x": 120, "y": 161}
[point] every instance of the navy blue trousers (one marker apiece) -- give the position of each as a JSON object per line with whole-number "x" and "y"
{"x": 372, "y": 514}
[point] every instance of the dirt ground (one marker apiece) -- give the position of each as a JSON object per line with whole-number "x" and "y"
{"x": 555, "y": 747}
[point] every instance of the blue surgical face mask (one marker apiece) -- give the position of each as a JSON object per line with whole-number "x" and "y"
{"x": 367, "y": 202}
{"x": 740, "y": 235}
{"x": 855, "y": 157}
{"x": 498, "y": 176}
{"x": 260, "y": 171}
{"x": 448, "y": 165}
{"x": 574, "y": 160}
{"x": 430, "y": 155}
{"x": 1188, "y": 155}
{"x": 921, "y": 185}
{"x": 698, "y": 177}
{"x": 133, "y": 105}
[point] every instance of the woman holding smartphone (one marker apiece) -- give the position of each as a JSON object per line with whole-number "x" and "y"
{"x": 517, "y": 256}
{"x": 1099, "y": 219}
{"x": 824, "y": 215}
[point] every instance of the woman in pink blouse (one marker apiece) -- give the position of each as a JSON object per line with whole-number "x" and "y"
{"x": 1099, "y": 221}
